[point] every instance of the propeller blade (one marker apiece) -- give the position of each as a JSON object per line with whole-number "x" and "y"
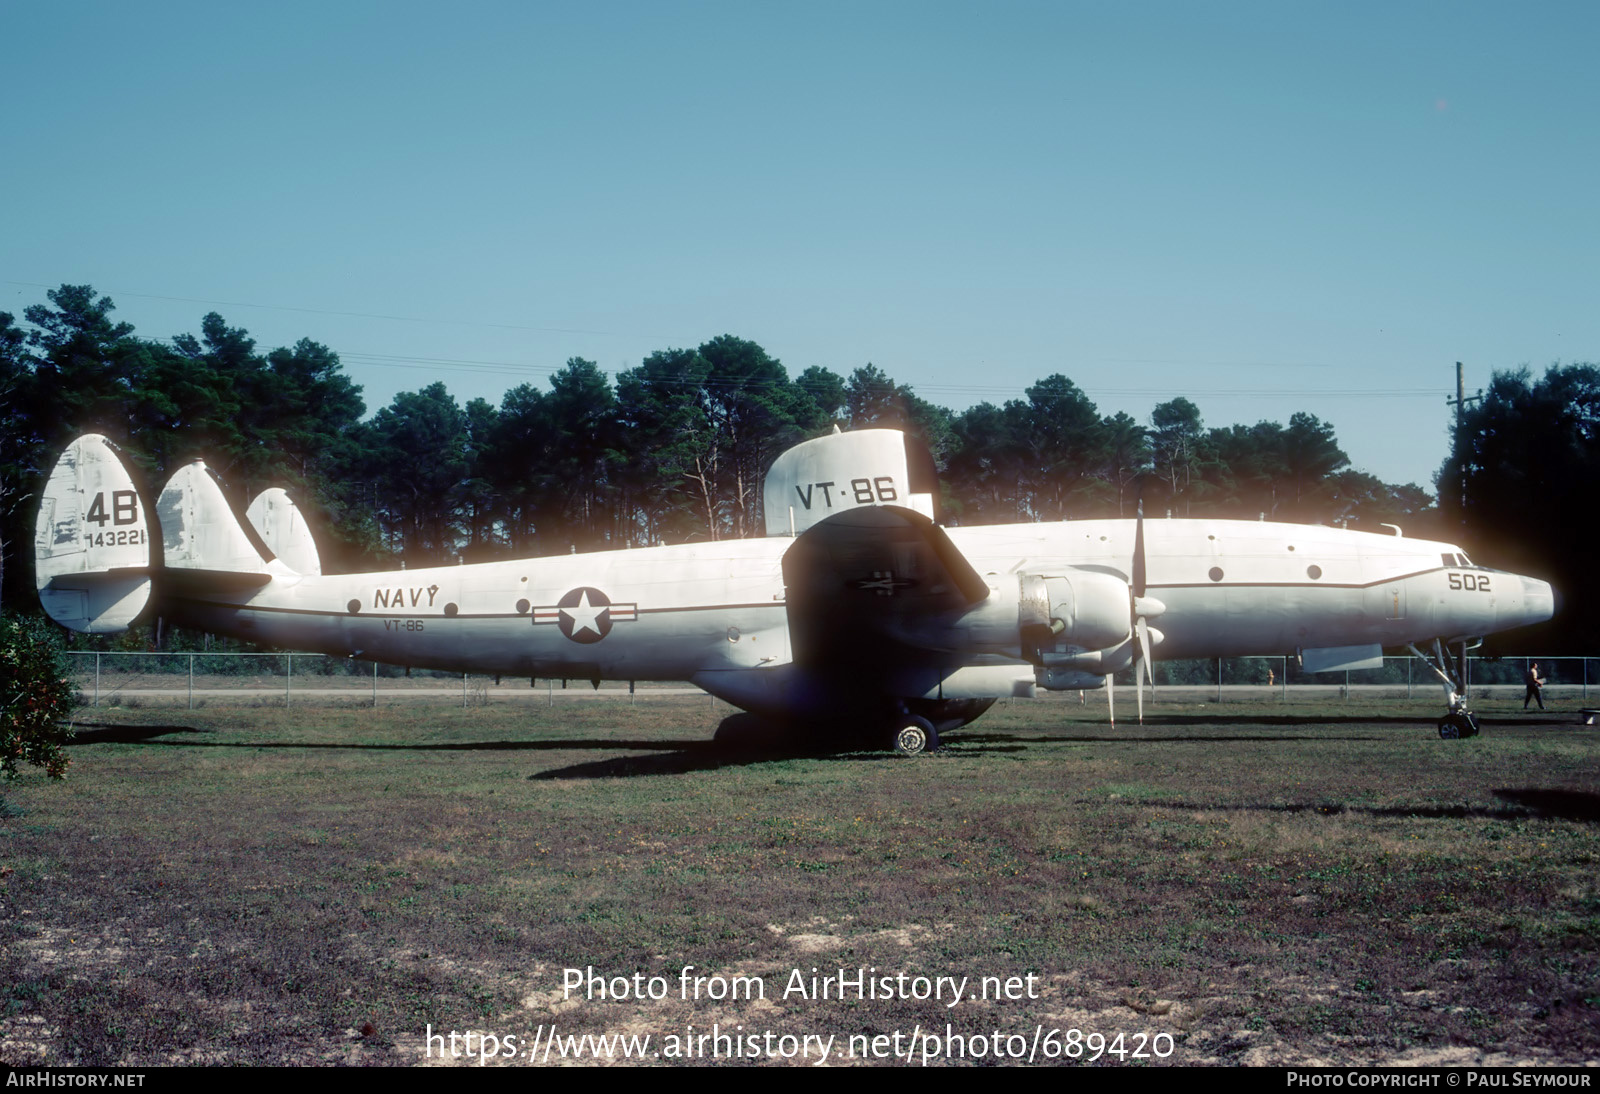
{"x": 1143, "y": 630}
{"x": 1138, "y": 549}
{"x": 1141, "y": 667}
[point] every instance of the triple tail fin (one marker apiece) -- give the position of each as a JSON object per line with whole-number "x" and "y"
{"x": 91, "y": 541}
{"x": 283, "y": 528}
{"x": 204, "y": 544}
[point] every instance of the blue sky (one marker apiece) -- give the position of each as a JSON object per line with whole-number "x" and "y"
{"x": 1263, "y": 207}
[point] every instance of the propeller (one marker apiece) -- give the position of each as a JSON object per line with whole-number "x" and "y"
{"x": 1141, "y": 652}
{"x": 1141, "y": 608}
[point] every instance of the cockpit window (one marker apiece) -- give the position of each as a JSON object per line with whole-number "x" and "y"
{"x": 1465, "y": 561}
{"x": 1449, "y": 559}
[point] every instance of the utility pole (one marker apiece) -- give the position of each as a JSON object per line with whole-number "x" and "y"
{"x": 1460, "y": 403}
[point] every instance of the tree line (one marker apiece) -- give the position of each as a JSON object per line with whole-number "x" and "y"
{"x": 673, "y": 450}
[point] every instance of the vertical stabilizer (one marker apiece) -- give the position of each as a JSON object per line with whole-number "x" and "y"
{"x": 843, "y": 471}
{"x": 283, "y": 528}
{"x": 91, "y": 541}
{"x": 199, "y": 530}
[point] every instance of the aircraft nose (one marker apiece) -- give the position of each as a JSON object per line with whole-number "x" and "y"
{"x": 1538, "y": 600}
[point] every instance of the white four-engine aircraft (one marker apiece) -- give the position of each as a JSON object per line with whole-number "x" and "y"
{"x": 856, "y": 611}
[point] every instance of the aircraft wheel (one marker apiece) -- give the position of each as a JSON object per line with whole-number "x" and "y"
{"x": 1458, "y": 724}
{"x": 915, "y": 735}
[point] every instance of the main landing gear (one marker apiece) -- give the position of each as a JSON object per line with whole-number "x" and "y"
{"x": 915, "y": 725}
{"x": 1458, "y": 721}
{"x": 915, "y": 735}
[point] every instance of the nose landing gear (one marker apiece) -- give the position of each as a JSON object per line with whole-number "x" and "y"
{"x": 1458, "y": 722}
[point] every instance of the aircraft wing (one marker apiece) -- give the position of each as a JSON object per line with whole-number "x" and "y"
{"x": 868, "y": 586}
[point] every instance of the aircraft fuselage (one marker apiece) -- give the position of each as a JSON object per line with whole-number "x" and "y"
{"x": 1231, "y": 588}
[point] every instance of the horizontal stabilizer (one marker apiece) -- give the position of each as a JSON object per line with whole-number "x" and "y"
{"x": 199, "y": 530}
{"x": 96, "y": 579}
{"x": 91, "y": 541}
{"x": 283, "y": 528}
{"x": 194, "y": 583}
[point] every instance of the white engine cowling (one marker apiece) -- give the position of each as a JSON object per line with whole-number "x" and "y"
{"x": 1063, "y": 615}
{"x": 1076, "y": 627}
{"x": 1081, "y": 611}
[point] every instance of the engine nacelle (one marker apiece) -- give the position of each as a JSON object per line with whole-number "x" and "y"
{"x": 1074, "y": 627}
{"x": 1060, "y": 615}
{"x": 1074, "y": 613}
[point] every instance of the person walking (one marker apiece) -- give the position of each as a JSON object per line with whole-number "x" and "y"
{"x": 1535, "y": 687}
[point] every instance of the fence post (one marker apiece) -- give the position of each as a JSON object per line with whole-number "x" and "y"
{"x": 96, "y": 677}
{"x": 374, "y": 685}
{"x": 191, "y": 681}
{"x": 463, "y": 691}
{"x": 550, "y": 689}
{"x": 1408, "y": 677}
{"x": 288, "y": 673}
{"x": 1283, "y": 681}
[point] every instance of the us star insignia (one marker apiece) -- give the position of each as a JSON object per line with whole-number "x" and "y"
{"x": 883, "y": 582}
{"x": 586, "y": 614}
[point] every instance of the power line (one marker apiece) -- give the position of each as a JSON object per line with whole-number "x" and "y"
{"x": 512, "y": 368}
{"x": 384, "y": 360}
{"x": 352, "y": 314}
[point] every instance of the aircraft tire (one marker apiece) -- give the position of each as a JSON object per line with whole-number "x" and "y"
{"x": 1458, "y": 724}
{"x": 915, "y": 735}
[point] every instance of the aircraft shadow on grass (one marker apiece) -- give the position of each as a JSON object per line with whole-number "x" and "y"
{"x": 1523, "y": 804}
{"x": 741, "y": 741}
{"x": 89, "y": 733}
{"x": 1020, "y": 739}
{"x": 1294, "y": 720}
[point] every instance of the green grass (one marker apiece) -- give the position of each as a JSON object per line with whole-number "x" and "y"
{"x": 1265, "y": 884}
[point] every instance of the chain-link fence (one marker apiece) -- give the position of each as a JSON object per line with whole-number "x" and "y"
{"x": 1487, "y": 677}
{"x": 288, "y": 679}
{"x": 199, "y": 679}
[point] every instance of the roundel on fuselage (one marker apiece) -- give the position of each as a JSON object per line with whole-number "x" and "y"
{"x": 585, "y": 614}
